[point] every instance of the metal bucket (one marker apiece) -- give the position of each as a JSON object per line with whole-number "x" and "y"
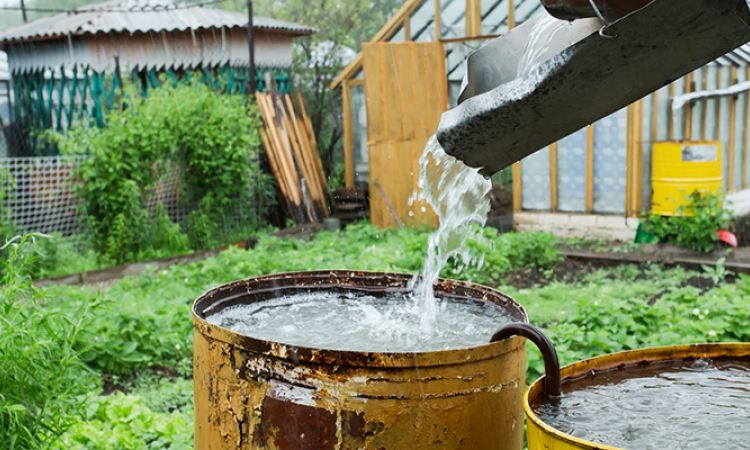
{"x": 253, "y": 394}
{"x": 543, "y": 437}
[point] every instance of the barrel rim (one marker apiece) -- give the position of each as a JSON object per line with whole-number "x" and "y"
{"x": 624, "y": 359}
{"x": 349, "y": 279}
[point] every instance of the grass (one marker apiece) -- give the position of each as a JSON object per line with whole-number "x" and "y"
{"x": 140, "y": 339}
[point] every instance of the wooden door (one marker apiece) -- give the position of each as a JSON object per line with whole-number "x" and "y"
{"x": 406, "y": 86}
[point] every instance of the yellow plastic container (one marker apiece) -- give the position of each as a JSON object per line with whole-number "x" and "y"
{"x": 680, "y": 168}
{"x": 541, "y": 436}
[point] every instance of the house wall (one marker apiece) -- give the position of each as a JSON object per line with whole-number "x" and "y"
{"x": 176, "y": 49}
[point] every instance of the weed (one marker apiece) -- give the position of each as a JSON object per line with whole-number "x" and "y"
{"x": 42, "y": 378}
{"x": 695, "y": 224}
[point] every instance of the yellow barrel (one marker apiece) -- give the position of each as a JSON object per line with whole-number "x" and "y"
{"x": 680, "y": 168}
{"x": 253, "y": 394}
{"x": 543, "y": 437}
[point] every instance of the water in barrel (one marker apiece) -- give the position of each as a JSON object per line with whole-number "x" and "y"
{"x": 686, "y": 405}
{"x": 360, "y": 322}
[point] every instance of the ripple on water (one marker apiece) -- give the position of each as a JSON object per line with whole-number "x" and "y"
{"x": 692, "y": 405}
{"x": 357, "y": 322}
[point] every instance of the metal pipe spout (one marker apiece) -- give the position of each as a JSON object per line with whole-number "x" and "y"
{"x": 548, "y": 78}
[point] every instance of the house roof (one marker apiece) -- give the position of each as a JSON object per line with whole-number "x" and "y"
{"x": 133, "y": 16}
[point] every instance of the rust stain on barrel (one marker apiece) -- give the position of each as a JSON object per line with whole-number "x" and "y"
{"x": 253, "y": 394}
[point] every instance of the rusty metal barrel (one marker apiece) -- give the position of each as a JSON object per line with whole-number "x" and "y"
{"x": 541, "y": 436}
{"x": 254, "y": 394}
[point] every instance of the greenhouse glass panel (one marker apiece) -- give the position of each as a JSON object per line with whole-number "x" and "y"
{"x": 422, "y": 22}
{"x": 453, "y": 19}
{"x": 610, "y": 163}
{"x": 725, "y": 107}
{"x": 571, "y": 173}
{"x": 535, "y": 178}
{"x": 647, "y": 147}
{"x": 359, "y": 128}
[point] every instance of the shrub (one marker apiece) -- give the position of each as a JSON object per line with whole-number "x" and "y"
{"x": 42, "y": 379}
{"x": 209, "y": 138}
{"x": 695, "y": 224}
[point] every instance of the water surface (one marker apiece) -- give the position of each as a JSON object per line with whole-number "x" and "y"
{"x": 357, "y": 322}
{"x": 695, "y": 405}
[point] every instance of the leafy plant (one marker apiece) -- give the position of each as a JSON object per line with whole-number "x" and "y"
{"x": 126, "y": 422}
{"x": 695, "y": 224}
{"x": 208, "y": 138}
{"x": 43, "y": 381}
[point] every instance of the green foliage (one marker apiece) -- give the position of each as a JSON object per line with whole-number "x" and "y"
{"x": 43, "y": 381}
{"x": 149, "y": 323}
{"x": 621, "y": 309}
{"x": 209, "y": 138}
{"x": 126, "y": 422}
{"x": 695, "y": 224}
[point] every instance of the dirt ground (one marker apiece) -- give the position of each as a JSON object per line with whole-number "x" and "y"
{"x": 572, "y": 271}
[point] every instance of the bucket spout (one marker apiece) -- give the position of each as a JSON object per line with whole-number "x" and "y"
{"x": 548, "y": 78}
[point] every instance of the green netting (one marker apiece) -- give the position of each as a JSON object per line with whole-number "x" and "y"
{"x": 45, "y": 99}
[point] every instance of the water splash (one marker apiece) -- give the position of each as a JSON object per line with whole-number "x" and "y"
{"x": 458, "y": 194}
{"x": 545, "y": 32}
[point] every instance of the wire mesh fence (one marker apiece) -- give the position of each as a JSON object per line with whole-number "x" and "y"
{"x": 40, "y": 193}
{"x": 41, "y": 197}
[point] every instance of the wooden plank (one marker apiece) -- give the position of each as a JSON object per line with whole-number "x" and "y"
{"x": 392, "y": 91}
{"x": 732, "y": 161}
{"x": 288, "y": 177}
{"x": 517, "y": 188}
{"x": 671, "y": 112}
{"x": 376, "y": 200}
{"x": 284, "y": 153}
{"x": 405, "y": 70}
{"x": 460, "y": 40}
{"x": 278, "y": 148}
{"x": 389, "y": 180}
{"x": 634, "y": 177}
{"x": 438, "y": 21}
{"x": 511, "y": 14}
{"x": 704, "y": 110}
{"x": 302, "y": 156}
{"x": 407, "y": 29}
{"x": 436, "y": 81}
{"x": 355, "y": 82}
{"x": 553, "y": 176}
{"x": 274, "y": 166}
{"x": 655, "y": 118}
{"x": 590, "y": 169}
{"x": 404, "y": 182}
{"x": 638, "y": 182}
{"x": 718, "y": 105}
{"x": 348, "y": 135}
{"x": 421, "y": 93}
{"x": 629, "y": 162}
{"x": 313, "y": 142}
{"x": 473, "y": 18}
{"x": 304, "y": 140}
{"x": 373, "y": 92}
{"x": 688, "y": 116}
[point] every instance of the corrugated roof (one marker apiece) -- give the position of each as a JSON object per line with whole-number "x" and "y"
{"x": 132, "y": 16}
